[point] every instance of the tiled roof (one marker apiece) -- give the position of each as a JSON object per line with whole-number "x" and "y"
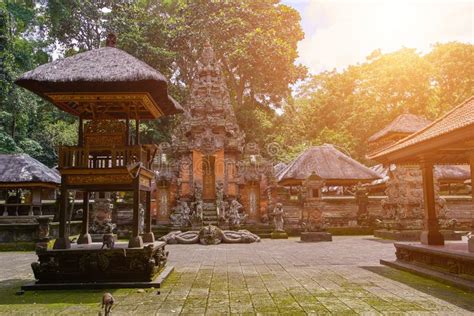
{"x": 459, "y": 117}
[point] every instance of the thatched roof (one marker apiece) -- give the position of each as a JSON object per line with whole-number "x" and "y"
{"x": 106, "y": 69}
{"x": 329, "y": 164}
{"x": 17, "y": 170}
{"x": 279, "y": 167}
{"x": 404, "y": 124}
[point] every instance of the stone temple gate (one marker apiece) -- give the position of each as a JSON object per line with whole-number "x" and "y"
{"x": 213, "y": 172}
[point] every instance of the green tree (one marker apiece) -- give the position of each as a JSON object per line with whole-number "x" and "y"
{"x": 452, "y": 74}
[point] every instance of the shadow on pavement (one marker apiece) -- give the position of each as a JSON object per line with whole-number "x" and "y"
{"x": 439, "y": 290}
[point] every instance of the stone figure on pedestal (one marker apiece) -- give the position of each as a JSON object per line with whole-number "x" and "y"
{"x": 278, "y": 218}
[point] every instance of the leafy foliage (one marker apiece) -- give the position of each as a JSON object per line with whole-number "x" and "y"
{"x": 257, "y": 44}
{"x": 345, "y": 108}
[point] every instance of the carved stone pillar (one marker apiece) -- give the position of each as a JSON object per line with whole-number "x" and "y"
{"x": 471, "y": 240}
{"x": 431, "y": 234}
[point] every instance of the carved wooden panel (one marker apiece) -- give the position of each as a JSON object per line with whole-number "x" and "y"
{"x": 105, "y": 133}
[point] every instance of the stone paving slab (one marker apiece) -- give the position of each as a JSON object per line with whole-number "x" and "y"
{"x": 273, "y": 277}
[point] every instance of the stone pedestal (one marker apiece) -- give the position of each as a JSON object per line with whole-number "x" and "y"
{"x": 91, "y": 264}
{"x": 148, "y": 237}
{"x": 135, "y": 242}
{"x": 315, "y": 236}
{"x": 84, "y": 239}
{"x": 279, "y": 235}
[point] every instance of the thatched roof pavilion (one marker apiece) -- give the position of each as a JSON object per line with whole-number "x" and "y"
{"x": 23, "y": 171}
{"x": 102, "y": 83}
{"x": 329, "y": 164}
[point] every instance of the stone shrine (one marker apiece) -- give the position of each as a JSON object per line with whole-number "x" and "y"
{"x": 216, "y": 175}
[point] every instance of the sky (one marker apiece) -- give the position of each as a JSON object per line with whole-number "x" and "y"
{"x": 339, "y": 33}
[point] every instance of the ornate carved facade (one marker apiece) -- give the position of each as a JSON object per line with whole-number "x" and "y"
{"x": 214, "y": 167}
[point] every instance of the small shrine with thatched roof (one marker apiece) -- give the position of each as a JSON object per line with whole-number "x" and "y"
{"x": 25, "y": 182}
{"x": 28, "y": 193}
{"x": 331, "y": 168}
{"x": 105, "y": 88}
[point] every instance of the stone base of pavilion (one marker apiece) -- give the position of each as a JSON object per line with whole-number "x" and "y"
{"x": 413, "y": 234}
{"x": 88, "y": 266}
{"x": 315, "y": 236}
{"x": 452, "y": 263}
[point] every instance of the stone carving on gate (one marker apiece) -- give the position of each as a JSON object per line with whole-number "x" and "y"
{"x": 403, "y": 206}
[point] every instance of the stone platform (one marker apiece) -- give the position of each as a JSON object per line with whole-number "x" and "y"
{"x": 89, "y": 264}
{"x": 451, "y": 263}
{"x": 412, "y": 234}
{"x": 315, "y": 236}
{"x": 279, "y": 235}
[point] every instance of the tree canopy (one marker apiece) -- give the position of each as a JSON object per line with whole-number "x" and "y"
{"x": 257, "y": 44}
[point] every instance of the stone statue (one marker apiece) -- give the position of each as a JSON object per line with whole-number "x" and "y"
{"x": 102, "y": 222}
{"x": 197, "y": 216}
{"x": 219, "y": 197}
{"x": 181, "y": 216}
{"x": 224, "y": 213}
{"x": 278, "y": 217}
{"x": 313, "y": 221}
{"x": 234, "y": 216}
{"x": 197, "y": 192}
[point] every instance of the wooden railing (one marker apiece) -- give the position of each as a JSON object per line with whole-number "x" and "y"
{"x": 102, "y": 157}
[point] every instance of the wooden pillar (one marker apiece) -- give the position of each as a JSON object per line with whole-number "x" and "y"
{"x": 62, "y": 242}
{"x": 85, "y": 237}
{"x": 148, "y": 235}
{"x": 80, "y": 133}
{"x": 127, "y": 123}
{"x": 471, "y": 163}
{"x": 431, "y": 234}
{"x": 137, "y": 132}
{"x": 135, "y": 239}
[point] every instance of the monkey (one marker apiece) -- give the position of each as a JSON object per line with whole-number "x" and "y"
{"x": 107, "y": 302}
{"x": 108, "y": 241}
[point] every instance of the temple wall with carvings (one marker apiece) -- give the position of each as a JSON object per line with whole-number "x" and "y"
{"x": 342, "y": 211}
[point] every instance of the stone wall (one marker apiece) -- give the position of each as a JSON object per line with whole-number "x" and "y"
{"x": 341, "y": 211}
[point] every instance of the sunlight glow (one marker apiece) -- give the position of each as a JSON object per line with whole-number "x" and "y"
{"x": 343, "y": 32}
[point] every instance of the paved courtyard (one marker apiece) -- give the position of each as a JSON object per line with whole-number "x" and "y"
{"x": 270, "y": 277}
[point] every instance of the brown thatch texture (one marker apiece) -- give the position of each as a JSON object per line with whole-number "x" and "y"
{"x": 21, "y": 168}
{"x": 328, "y": 163}
{"x": 405, "y": 123}
{"x": 279, "y": 167}
{"x": 106, "y": 69}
